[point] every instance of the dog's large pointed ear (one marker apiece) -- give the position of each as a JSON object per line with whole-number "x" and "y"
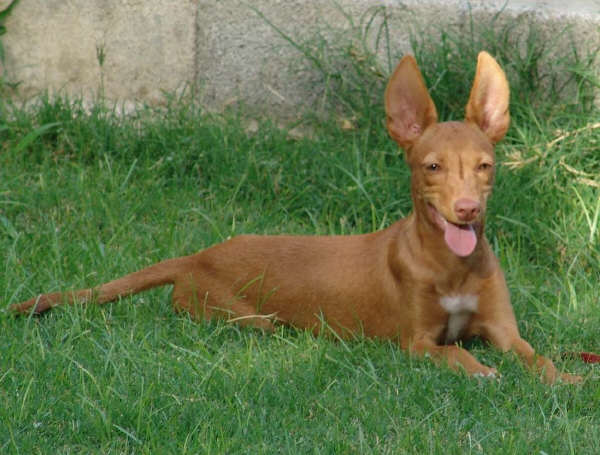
{"x": 488, "y": 103}
{"x": 408, "y": 106}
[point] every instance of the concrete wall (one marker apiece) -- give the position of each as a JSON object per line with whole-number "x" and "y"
{"x": 136, "y": 50}
{"x": 148, "y": 46}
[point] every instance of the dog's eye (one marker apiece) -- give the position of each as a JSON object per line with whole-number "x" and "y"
{"x": 433, "y": 167}
{"x": 484, "y": 166}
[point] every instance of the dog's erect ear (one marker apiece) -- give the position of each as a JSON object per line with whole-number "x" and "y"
{"x": 408, "y": 106}
{"x": 488, "y": 103}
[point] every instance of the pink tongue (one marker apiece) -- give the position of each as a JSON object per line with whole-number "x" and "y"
{"x": 460, "y": 239}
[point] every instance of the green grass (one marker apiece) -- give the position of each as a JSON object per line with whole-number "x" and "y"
{"x": 88, "y": 195}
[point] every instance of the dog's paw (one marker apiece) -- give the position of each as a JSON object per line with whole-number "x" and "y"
{"x": 489, "y": 373}
{"x": 568, "y": 378}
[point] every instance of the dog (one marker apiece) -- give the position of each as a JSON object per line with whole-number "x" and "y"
{"x": 428, "y": 282}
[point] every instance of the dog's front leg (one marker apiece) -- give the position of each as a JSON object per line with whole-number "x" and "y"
{"x": 497, "y": 324}
{"x": 507, "y": 338}
{"x": 455, "y": 357}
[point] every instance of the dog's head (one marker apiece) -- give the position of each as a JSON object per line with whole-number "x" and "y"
{"x": 452, "y": 163}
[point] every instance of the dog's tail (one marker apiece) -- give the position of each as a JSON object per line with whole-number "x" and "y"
{"x": 153, "y": 276}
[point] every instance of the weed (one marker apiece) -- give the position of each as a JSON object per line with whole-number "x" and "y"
{"x": 3, "y": 16}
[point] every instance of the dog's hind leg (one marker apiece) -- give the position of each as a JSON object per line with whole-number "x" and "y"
{"x": 204, "y": 305}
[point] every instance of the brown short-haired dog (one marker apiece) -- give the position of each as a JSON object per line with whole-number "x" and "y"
{"x": 427, "y": 281}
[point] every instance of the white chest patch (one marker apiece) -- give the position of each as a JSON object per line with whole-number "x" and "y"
{"x": 460, "y": 308}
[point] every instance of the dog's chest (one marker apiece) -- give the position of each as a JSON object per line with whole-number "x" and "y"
{"x": 460, "y": 308}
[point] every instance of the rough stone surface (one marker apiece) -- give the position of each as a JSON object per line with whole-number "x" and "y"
{"x": 238, "y": 50}
{"x": 55, "y": 45}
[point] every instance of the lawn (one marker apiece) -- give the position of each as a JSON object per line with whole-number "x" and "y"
{"x": 87, "y": 195}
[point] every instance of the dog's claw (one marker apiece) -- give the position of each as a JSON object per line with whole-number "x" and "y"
{"x": 491, "y": 374}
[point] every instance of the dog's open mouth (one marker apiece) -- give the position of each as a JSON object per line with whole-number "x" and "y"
{"x": 460, "y": 238}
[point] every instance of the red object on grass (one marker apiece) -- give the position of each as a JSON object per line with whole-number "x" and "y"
{"x": 587, "y": 357}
